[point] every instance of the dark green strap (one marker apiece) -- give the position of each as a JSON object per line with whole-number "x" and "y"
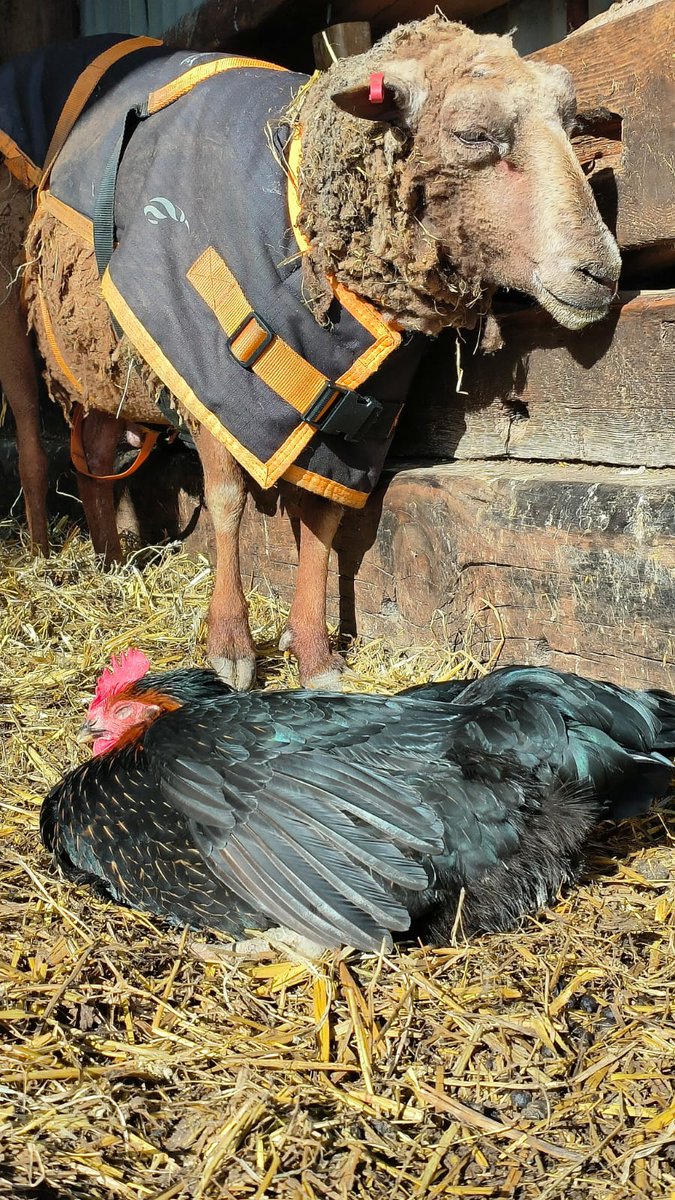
{"x": 104, "y": 209}
{"x": 167, "y": 410}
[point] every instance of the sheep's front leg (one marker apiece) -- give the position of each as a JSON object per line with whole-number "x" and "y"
{"x": 230, "y": 645}
{"x": 306, "y": 634}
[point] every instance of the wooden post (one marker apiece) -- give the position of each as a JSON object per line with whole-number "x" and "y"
{"x": 214, "y": 23}
{"x": 577, "y": 14}
{"x": 340, "y": 41}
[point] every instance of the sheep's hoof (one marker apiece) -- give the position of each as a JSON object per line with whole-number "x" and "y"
{"x": 331, "y": 680}
{"x": 320, "y": 668}
{"x": 239, "y": 673}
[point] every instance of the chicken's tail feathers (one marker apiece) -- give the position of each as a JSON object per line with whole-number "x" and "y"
{"x": 648, "y": 781}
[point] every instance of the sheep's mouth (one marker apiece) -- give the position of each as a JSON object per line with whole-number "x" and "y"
{"x": 570, "y": 313}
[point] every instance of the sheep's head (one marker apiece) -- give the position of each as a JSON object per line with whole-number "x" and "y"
{"x": 461, "y": 179}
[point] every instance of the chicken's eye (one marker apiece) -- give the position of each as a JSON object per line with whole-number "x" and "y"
{"x": 123, "y": 711}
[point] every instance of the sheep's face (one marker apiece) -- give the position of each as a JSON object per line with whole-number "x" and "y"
{"x": 528, "y": 217}
{"x": 489, "y": 171}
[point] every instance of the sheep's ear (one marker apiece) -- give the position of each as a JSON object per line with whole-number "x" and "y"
{"x": 356, "y": 101}
{"x": 401, "y": 86}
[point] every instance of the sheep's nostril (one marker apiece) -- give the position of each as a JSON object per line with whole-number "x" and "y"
{"x": 598, "y": 274}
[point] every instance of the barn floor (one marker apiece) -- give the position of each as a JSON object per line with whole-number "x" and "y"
{"x": 141, "y": 1063}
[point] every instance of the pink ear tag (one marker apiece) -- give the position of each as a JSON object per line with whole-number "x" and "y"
{"x": 376, "y": 89}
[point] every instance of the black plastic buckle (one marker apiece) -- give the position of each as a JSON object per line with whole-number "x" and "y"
{"x": 350, "y": 413}
{"x": 249, "y": 363}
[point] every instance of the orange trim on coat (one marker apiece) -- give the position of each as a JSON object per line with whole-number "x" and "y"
{"x": 53, "y": 344}
{"x": 19, "y": 164}
{"x": 82, "y": 226}
{"x": 159, "y": 363}
{"x": 328, "y": 488}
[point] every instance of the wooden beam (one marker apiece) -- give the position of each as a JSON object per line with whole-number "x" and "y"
{"x": 604, "y": 395}
{"x": 384, "y": 14}
{"x": 27, "y": 25}
{"x": 578, "y": 563}
{"x": 214, "y": 23}
{"x": 624, "y": 62}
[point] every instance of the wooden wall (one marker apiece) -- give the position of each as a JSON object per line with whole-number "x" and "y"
{"x": 28, "y": 24}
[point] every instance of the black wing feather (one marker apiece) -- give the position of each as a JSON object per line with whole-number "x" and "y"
{"x": 317, "y": 842}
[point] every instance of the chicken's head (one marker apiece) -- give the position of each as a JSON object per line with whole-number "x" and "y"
{"x": 115, "y": 711}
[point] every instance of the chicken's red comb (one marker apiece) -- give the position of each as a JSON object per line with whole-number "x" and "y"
{"x": 128, "y": 667}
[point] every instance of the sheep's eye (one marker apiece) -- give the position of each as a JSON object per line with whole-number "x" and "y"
{"x": 474, "y": 137}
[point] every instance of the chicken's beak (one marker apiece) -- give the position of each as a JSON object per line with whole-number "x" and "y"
{"x": 88, "y": 732}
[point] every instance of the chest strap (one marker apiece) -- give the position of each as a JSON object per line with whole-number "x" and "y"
{"x": 254, "y": 345}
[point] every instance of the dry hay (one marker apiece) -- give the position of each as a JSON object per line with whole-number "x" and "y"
{"x": 139, "y": 1063}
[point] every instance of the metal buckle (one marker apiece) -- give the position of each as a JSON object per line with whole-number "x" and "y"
{"x": 350, "y": 413}
{"x": 249, "y": 363}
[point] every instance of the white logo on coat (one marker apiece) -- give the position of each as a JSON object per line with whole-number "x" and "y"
{"x": 160, "y": 208}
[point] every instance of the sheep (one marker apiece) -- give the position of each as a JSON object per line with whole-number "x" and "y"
{"x": 455, "y": 177}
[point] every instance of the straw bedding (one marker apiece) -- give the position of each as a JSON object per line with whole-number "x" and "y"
{"x": 146, "y": 1064}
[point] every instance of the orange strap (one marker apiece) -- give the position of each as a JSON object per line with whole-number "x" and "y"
{"x": 18, "y": 164}
{"x": 51, "y": 338}
{"x": 254, "y": 345}
{"x": 79, "y": 458}
{"x": 184, "y": 83}
{"x": 81, "y": 91}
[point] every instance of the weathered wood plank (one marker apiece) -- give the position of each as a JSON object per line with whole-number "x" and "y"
{"x": 604, "y": 395}
{"x": 30, "y": 24}
{"x": 626, "y": 64}
{"x": 578, "y": 562}
{"x": 384, "y": 14}
{"x": 214, "y": 23}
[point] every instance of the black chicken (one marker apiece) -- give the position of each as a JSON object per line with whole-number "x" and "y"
{"x": 347, "y": 818}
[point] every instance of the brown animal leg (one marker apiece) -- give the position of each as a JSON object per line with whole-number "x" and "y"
{"x": 306, "y": 634}
{"x": 20, "y": 385}
{"x": 100, "y": 435}
{"x": 230, "y": 645}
